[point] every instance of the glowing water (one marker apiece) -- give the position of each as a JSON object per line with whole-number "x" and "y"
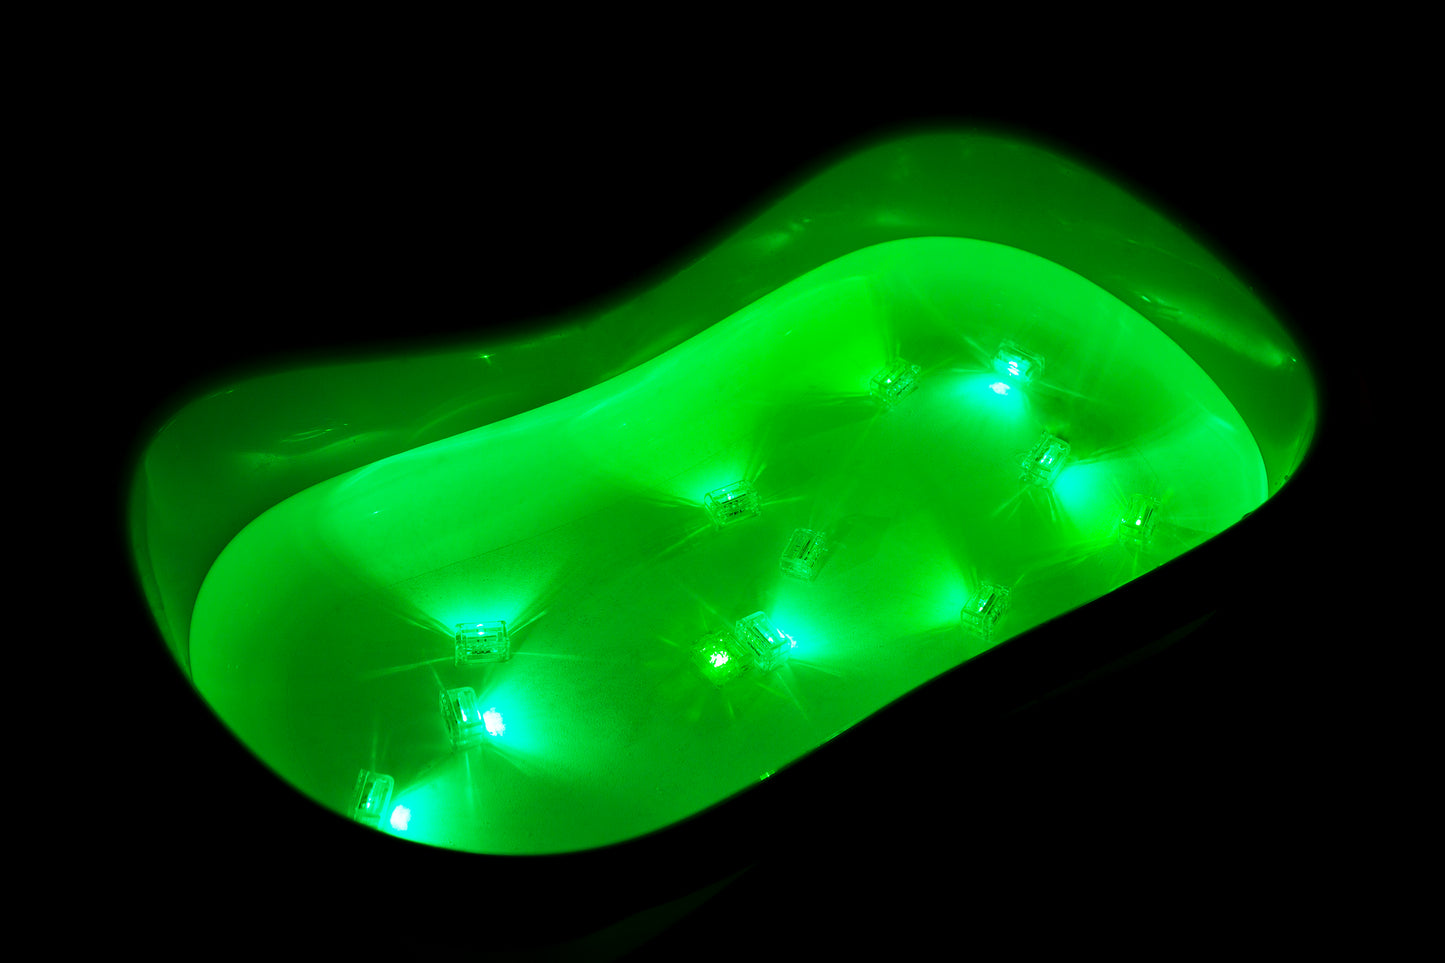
{"x": 322, "y": 634}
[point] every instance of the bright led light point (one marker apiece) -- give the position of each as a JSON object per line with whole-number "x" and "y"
{"x": 1045, "y": 460}
{"x": 400, "y": 818}
{"x": 803, "y": 556}
{"x": 1016, "y": 363}
{"x": 465, "y": 724}
{"x": 983, "y": 610}
{"x": 1136, "y": 525}
{"x": 482, "y": 642}
{"x": 492, "y": 719}
{"x": 894, "y": 381}
{"x": 732, "y": 503}
{"x": 719, "y": 658}
{"x": 768, "y": 646}
{"x": 369, "y": 798}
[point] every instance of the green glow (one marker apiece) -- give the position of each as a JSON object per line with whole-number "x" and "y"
{"x": 310, "y": 561}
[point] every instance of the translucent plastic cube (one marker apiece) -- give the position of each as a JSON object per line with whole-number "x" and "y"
{"x": 1136, "y": 525}
{"x": 894, "y": 382}
{"x": 371, "y": 796}
{"x": 732, "y": 503}
{"x": 1045, "y": 460}
{"x": 983, "y": 610}
{"x": 719, "y": 658}
{"x": 1014, "y": 362}
{"x": 767, "y": 646}
{"x": 465, "y": 724}
{"x": 482, "y": 642}
{"x": 803, "y": 556}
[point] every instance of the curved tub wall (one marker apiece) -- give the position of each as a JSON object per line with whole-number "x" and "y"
{"x": 224, "y": 459}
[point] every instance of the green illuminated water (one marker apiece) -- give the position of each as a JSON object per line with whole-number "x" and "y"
{"x": 322, "y": 633}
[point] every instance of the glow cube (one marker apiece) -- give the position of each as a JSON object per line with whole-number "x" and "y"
{"x": 895, "y": 381}
{"x": 370, "y": 797}
{"x": 1014, "y": 362}
{"x": 719, "y": 658}
{"x": 732, "y": 503}
{"x": 803, "y": 556}
{"x": 765, "y": 643}
{"x": 482, "y": 642}
{"x": 1044, "y": 461}
{"x": 983, "y": 610}
{"x": 1136, "y": 525}
{"x": 465, "y": 724}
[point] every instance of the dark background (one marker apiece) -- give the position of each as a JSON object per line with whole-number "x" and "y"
{"x": 1200, "y": 791}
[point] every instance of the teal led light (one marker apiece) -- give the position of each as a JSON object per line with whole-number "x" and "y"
{"x": 464, "y": 722}
{"x": 400, "y": 818}
{"x": 803, "y": 555}
{"x": 1041, "y": 466}
{"x": 732, "y": 503}
{"x": 894, "y": 382}
{"x": 492, "y": 720}
{"x": 768, "y": 645}
{"x": 482, "y": 642}
{"x": 719, "y": 658}
{"x": 1019, "y": 365}
{"x": 370, "y": 796}
{"x": 983, "y": 610}
{"x": 1136, "y": 525}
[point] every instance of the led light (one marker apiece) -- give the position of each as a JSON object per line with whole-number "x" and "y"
{"x": 482, "y": 642}
{"x": 465, "y": 724}
{"x": 719, "y": 657}
{"x": 400, "y": 818}
{"x": 803, "y": 556}
{"x": 768, "y": 646}
{"x": 893, "y": 382}
{"x": 999, "y": 388}
{"x": 369, "y": 798}
{"x": 732, "y": 503}
{"x": 983, "y": 610}
{"x": 1136, "y": 525}
{"x": 492, "y": 719}
{"x": 1045, "y": 460}
{"x": 1014, "y": 362}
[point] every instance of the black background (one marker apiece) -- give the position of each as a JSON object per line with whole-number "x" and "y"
{"x": 1198, "y": 794}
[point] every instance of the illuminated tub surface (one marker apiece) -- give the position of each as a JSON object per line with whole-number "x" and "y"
{"x": 310, "y": 540}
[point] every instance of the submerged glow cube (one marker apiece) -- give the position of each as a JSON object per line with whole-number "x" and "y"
{"x": 1014, "y": 362}
{"x": 767, "y": 646}
{"x": 732, "y": 503}
{"x": 719, "y": 657}
{"x": 983, "y": 610}
{"x": 1045, "y": 460}
{"x": 897, "y": 379}
{"x": 482, "y": 642}
{"x": 465, "y": 724}
{"x": 370, "y": 797}
{"x": 803, "y": 556}
{"x": 1136, "y": 525}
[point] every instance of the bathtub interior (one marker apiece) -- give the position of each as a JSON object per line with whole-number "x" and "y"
{"x": 309, "y": 539}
